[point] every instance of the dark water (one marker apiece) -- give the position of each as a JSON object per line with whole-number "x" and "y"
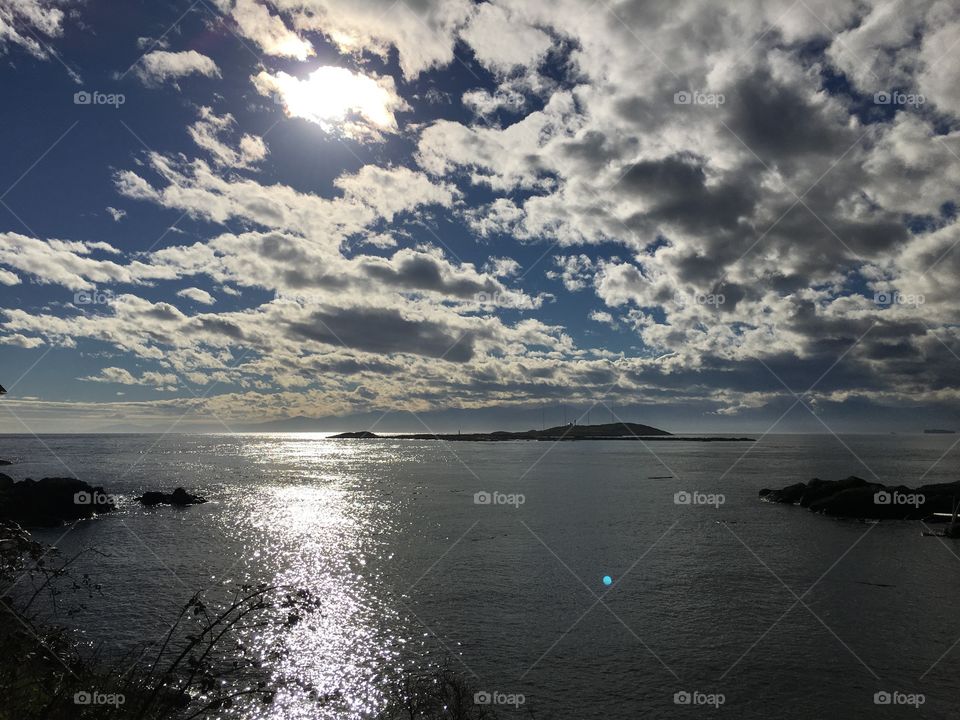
{"x": 388, "y": 534}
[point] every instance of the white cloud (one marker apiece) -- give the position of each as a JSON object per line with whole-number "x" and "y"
{"x": 69, "y": 263}
{"x": 117, "y": 215}
{"x": 423, "y": 33}
{"x": 483, "y": 102}
{"x": 21, "y": 19}
{"x": 161, "y": 66}
{"x": 197, "y": 295}
{"x": 122, "y": 376}
{"x": 503, "y": 41}
{"x": 8, "y": 278}
{"x": 20, "y": 340}
{"x": 206, "y": 132}
{"x": 502, "y": 266}
{"x": 268, "y": 31}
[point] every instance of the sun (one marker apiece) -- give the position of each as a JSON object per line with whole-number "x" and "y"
{"x": 338, "y": 100}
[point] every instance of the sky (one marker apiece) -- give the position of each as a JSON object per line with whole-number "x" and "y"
{"x": 440, "y": 213}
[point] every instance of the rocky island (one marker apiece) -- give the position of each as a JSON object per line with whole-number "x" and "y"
{"x": 606, "y": 431}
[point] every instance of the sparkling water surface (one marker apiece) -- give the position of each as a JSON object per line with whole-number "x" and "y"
{"x": 785, "y": 613}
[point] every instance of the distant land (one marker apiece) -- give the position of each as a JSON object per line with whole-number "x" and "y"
{"x": 607, "y": 431}
{"x": 938, "y": 431}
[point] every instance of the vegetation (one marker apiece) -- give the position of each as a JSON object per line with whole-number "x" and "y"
{"x": 203, "y": 667}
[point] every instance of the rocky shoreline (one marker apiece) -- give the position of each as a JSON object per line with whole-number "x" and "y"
{"x": 53, "y": 501}
{"x": 856, "y": 498}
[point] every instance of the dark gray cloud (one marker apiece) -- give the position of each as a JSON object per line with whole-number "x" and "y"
{"x": 386, "y": 331}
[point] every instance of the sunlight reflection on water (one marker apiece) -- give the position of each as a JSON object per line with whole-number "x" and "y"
{"x": 319, "y": 530}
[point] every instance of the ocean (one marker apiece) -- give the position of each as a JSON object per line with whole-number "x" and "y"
{"x": 586, "y": 580}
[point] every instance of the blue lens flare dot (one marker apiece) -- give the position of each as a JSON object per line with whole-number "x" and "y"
{"x": 607, "y": 580}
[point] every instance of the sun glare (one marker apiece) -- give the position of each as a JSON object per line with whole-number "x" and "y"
{"x": 338, "y": 100}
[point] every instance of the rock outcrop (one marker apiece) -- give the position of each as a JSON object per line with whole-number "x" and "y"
{"x": 854, "y": 497}
{"x": 51, "y": 501}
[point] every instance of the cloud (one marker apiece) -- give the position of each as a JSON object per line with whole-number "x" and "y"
{"x": 268, "y": 31}
{"x": 70, "y": 263}
{"x": 22, "y": 20}
{"x": 197, "y": 295}
{"x": 8, "y": 278}
{"x": 117, "y": 215}
{"x": 502, "y": 41}
{"x": 121, "y": 376}
{"x": 207, "y": 132}
{"x": 386, "y": 331}
{"x": 20, "y": 341}
{"x": 422, "y": 32}
{"x": 160, "y": 66}
{"x": 340, "y": 101}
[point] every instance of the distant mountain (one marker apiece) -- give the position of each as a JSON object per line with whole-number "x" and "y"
{"x": 938, "y": 431}
{"x": 560, "y": 432}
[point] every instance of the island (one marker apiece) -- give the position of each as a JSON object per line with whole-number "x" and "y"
{"x": 939, "y": 431}
{"x": 606, "y": 431}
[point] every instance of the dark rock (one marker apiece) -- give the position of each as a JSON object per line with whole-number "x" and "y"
{"x": 789, "y": 495}
{"x": 51, "y": 501}
{"x": 177, "y": 497}
{"x": 6, "y": 462}
{"x": 818, "y": 489}
{"x": 854, "y": 497}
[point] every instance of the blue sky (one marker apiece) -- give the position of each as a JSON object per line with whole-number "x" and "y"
{"x": 475, "y": 211}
